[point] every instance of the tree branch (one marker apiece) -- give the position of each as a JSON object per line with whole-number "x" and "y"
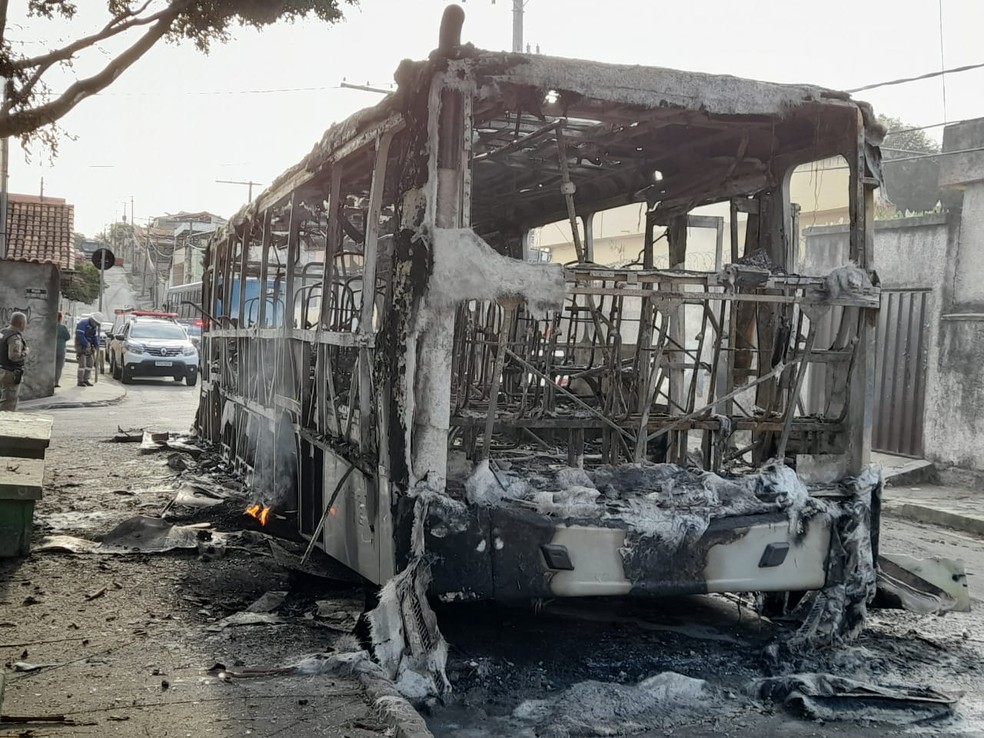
{"x": 30, "y": 119}
{"x": 113, "y": 28}
{"x": 129, "y": 14}
{"x": 3, "y": 18}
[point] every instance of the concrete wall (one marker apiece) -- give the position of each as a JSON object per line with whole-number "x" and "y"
{"x": 958, "y": 410}
{"x": 33, "y": 289}
{"x": 968, "y": 256}
{"x": 908, "y": 253}
{"x": 955, "y": 421}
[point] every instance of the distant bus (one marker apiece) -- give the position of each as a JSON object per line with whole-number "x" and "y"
{"x": 186, "y": 301}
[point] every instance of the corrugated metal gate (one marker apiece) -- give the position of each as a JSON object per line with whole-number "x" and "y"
{"x": 900, "y": 372}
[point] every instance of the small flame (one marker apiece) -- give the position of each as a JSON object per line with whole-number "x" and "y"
{"x": 260, "y": 512}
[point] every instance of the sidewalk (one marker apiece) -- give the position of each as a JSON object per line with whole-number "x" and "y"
{"x": 900, "y": 471}
{"x": 959, "y": 508}
{"x": 911, "y": 492}
{"x": 104, "y": 392}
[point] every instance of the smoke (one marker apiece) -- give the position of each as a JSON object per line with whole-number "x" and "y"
{"x": 273, "y": 448}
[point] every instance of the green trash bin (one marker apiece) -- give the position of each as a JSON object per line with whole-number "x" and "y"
{"x": 20, "y": 488}
{"x": 24, "y": 435}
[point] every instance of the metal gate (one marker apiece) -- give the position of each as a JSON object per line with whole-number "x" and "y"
{"x": 900, "y": 372}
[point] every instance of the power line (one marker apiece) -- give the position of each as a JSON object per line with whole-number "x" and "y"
{"x": 934, "y": 155}
{"x": 925, "y": 128}
{"x": 975, "y": 150}
{"x": 262, "y": 91}
{"x": 932, "y": 125}
{"x": 928, "y": 75}
{"x": 942, "y": 60}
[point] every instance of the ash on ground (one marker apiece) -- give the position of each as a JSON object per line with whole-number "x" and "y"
{"x": 695, "y": 666}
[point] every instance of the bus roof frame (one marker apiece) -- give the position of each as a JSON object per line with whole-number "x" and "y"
{"x": 699, "y": 116}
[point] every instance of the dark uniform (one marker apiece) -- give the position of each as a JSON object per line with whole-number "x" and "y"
{"x": 13, "y": 357}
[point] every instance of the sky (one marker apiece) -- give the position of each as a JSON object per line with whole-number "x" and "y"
{"x": 177, "y": 120}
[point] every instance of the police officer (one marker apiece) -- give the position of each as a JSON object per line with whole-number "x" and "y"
{"x": 86, "y": 346}
{"x": 13, "y": 357}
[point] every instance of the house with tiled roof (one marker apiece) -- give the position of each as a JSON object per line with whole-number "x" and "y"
{"x": 40, "y": 229}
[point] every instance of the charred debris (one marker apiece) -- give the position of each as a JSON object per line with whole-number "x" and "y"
{"x": 438, "y": 407}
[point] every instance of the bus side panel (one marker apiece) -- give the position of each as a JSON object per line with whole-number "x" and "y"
{"x": 348, "y": 535}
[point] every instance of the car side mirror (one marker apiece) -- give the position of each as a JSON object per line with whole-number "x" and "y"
{"x": 118, "y": 336}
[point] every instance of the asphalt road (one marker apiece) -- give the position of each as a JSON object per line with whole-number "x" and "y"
{"x": 161, "y": 404}
{"x": 500, "y": 659}
{"x": 126, "y": 645}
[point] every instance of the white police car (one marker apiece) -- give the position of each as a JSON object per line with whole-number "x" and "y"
{"x": 153, "y": 347}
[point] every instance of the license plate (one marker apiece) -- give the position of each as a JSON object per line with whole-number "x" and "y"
{"x": 163, "y": 363}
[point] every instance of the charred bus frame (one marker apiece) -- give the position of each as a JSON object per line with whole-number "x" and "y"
{"x": 416, "y": 334}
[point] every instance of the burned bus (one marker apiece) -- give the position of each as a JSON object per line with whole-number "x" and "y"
{"x": 538, "y": 430}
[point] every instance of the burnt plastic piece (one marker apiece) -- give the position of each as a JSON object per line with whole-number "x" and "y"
{"x": 557, "y": 556}
{"x": 773, "y": 555}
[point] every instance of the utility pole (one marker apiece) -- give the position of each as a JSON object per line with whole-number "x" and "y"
{"x": 130, "y": 248}
{"x": 518, "y": 26}
{"x": 102, "y": 272}
{"x": 519, "y": 7}
{"x": 250, "y": 183}
{"x": 124, "y": 242}
{"x": 4, "y": 171}
{"x": 146, "y": 255}
{"x": 4, "y": 175}
{"x": 102, "y": 288}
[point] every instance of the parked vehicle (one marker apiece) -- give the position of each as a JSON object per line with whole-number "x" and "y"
{"x": 123, "y": 316}
{"x": 193, "y": 328}
{"x": 152, "y": 346}
{"x": 114, "y": 344}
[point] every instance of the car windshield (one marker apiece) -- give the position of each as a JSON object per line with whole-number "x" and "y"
{"x": 158, "y": 330}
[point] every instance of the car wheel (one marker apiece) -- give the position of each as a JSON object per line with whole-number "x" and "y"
{"x": 126, "y": 375}
{"x": 178, "y": 377}
{"x": 192, "y": 380}
{"x": 114, "y": 367}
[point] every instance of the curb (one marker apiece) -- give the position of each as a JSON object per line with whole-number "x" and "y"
{"x": 973, "y": 524}
{"x": 44, "y": 404}
{"x": 394, "y": 708}
{"x": 915, "y": 472}
{"x": 951, "y": 476}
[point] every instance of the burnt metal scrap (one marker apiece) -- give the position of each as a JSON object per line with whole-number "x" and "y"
{"x": 830, "y": 697}
{"x": 400, "y": 344}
